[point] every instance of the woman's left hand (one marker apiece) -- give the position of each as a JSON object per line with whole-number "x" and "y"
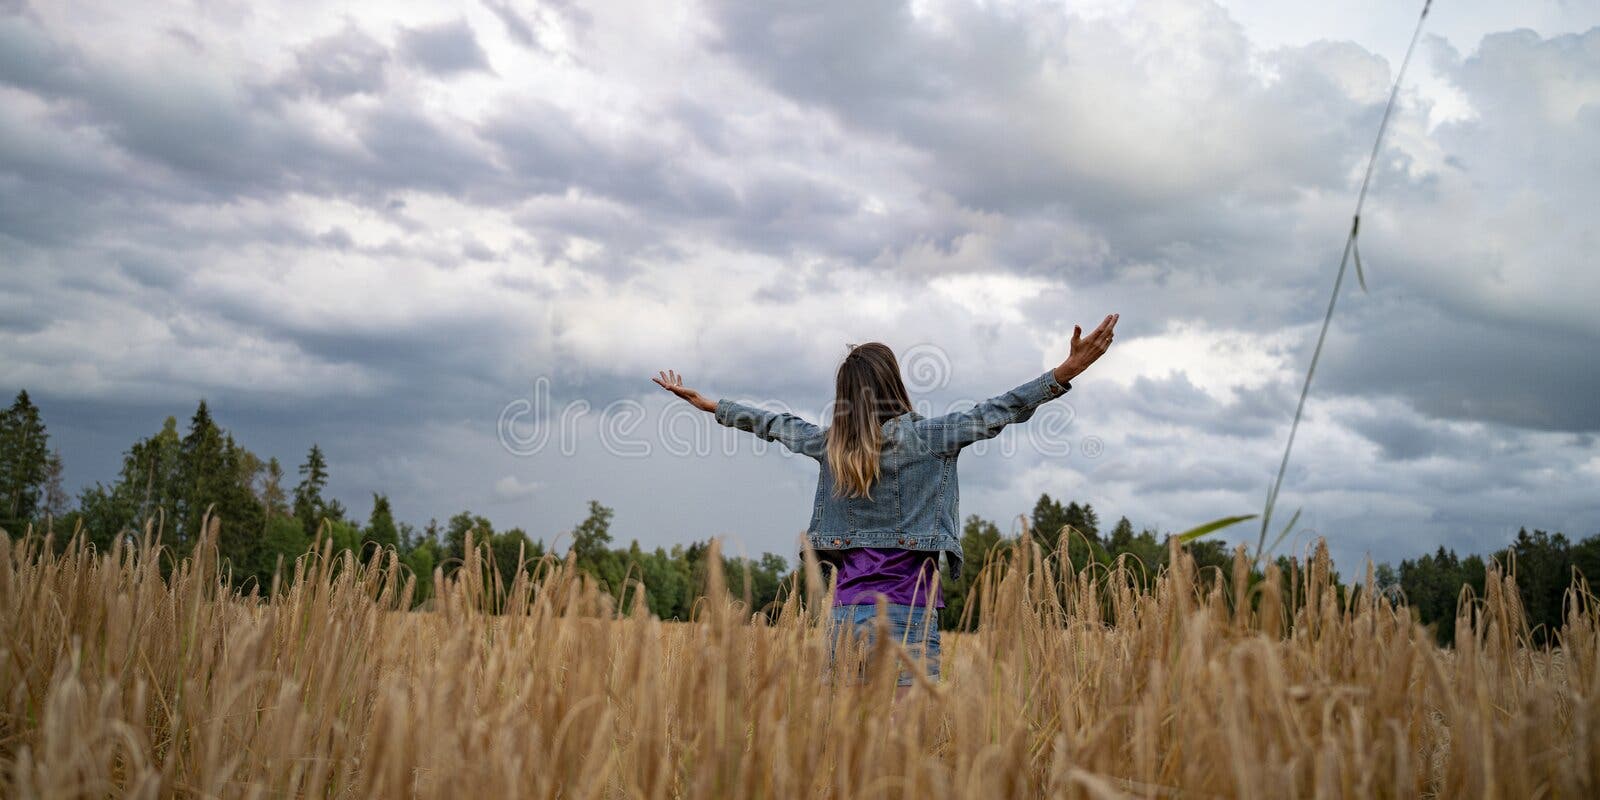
{"x": 1087, "y": 349}
{"x": 673, "y": 382}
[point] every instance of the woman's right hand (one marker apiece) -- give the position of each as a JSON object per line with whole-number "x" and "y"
{"x": 1087, "y": 349}
{"x": 673, "y": 382}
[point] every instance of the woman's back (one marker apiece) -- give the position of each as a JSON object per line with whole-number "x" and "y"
{"x": 913, "y": 502}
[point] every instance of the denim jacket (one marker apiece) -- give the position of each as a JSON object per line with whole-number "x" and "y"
{"x": 913, "y": 503}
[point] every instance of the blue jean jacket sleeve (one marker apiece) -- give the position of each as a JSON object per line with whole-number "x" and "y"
{"x": 946, "y": 435}
{"x": 794, "y": 433}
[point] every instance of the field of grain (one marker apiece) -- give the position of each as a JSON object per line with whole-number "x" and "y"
{"x": 119, "y": 682}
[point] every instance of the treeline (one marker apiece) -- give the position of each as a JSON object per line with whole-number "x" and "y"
{"x": 266, "y": 518}
{"x": 1544, "y": 564}
{"x": 176, "y": 477}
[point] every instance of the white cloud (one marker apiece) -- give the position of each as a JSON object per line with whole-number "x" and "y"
{"x": 509, "y": 488}
{"x": 1217, "y": 361}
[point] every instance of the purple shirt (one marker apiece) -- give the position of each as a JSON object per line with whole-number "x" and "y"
{"x": 866, "y": 571}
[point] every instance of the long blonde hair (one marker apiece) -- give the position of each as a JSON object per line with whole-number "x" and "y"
{"x": 869, "y": 392}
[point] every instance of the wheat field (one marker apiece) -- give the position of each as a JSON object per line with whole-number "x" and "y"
{"x": 120, "y": 682}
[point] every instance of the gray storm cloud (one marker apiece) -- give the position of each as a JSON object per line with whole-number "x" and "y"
{"x": 376, "y": 229}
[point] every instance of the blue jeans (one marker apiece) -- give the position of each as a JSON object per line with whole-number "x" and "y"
{"x": 910, "y": 626}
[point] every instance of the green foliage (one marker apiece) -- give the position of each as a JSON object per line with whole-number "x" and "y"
{"x": 510, "y": 549}
{"x": 381, "y": 529}
{"x": 1144, "y": 547}
{"x": 591, "y": 541}
{"x": 592, "y": 537}
{"x": 1432, "y": 585}
{"x": 310, "y": 507}
{"x": 421, "y": 560}
{"x": 200, "y": 473}
{"x": 757, "y": 580}
{"x": 283, "y": 536}
{"x": 979, "y": 539}
{"x": 1385, "y": 579}
{"x": 666, "y": 576}
{"x": 24, "y": 464}
{"x": 1211, "y": 555}
{"x": 345, "y": 535}
{"x": 1586, "y": 560}
{"x": 1543, "y": 564}
{"x": 1084, "y": 520}
{"x": 455, "y": 535}
{"x": 1080, "y": 525}
{"x": 146, "y": 487}
{"x": 273, "y": 499}
{"x": 674, "y": 578}
{"x": 282, "y": 539}
{"x": 216, "y": 477}
{"x": 1047, "y": 520}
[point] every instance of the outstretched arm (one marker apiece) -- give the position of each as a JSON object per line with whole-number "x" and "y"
{"x": 673, "y": 382}
{"x": 946, "y": 435}
{"x": 792, "y": 432}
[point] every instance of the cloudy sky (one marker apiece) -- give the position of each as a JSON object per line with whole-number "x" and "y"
{"x": 450, "y": 242}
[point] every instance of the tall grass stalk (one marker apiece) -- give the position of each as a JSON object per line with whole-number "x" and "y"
{"x": 1352, "y": 249}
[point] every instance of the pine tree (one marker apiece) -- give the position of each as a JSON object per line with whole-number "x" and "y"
{"x": 1091, "y": 523}
{"x": 1047, "y": 520}
{"x": 218, "y": 477}
{"x": 24, "y": 463}
{"x": 309, "y": 507}
{"x": 201, "y": 472}
{"x": 1121, "y": 536}
{"x": 243, "y": 520}
{"x": 1083, "y": 520}
{"x": 380, "y": 524}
